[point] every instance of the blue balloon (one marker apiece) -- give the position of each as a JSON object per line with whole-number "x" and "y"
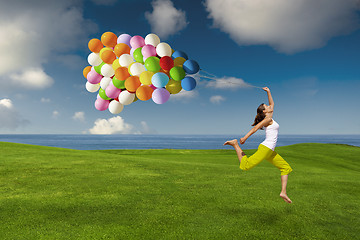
{"x": 188, "y": 83}
{"x": 191, "y": 67}
{"x": 159, "y": 79}
{"x": 179, "y": 54}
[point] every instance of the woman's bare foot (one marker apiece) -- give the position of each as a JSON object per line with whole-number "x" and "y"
{"x": 232, "y": 142}
{"x": 285, "y": 197}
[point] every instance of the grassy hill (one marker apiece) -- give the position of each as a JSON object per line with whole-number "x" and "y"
{"x": 54, "y": 193}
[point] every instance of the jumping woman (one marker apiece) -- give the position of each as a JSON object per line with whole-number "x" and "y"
{"x": 266, "y": 149}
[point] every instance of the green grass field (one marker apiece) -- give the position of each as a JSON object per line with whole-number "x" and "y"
{"x": 54, "y": 193}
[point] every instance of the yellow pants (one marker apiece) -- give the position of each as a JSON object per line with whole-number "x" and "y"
{"x": 262, "y": 153}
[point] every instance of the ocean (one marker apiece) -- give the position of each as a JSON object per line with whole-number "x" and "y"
{"x": 101, "y": 142}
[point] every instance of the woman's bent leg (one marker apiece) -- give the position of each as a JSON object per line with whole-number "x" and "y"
{"x": 237, "y": 148}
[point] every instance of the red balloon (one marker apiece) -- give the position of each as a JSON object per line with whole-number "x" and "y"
{"x": 166, "y": 63}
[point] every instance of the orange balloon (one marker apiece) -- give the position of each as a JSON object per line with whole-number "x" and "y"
{"x": 86, "y": 71}
{"x": 122, "y": 73}
{"x": 108, "y": 56}
{"x": 144, "y": 92}
{"x": 121, "y": 49}
{"x": 95, "y": 45}
{"x": 109, "y": 39}
{"x": 132, "y": 83}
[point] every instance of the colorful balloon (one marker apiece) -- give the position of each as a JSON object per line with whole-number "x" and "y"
{"x": 125, "y": 60}
{"x": 166, "y": 63}
{"x": 121, "y": 48}
{"x": 177, "y": 73}
{"x": 116, "y": 64}
{"x": 124, "y": 38}
{"x": 132, "y": 83}
{"x": 112, "y": 91}
{"x": 152, "y": 64}
{"x": 118, "y": 83}
{"x": 107, "y": 70}
{"x": 179, "y": 61}
{"x": 103, "y": 95}
{"x": 109, "y": 39}
{"x": 122, "y": 73}
{"x": 179, "y": 54}
{"x": 137, "y": 41}
{"x": 98, "y": 68}
{"x": 159, "y": 80}
{"x": 136, "y": 69}
{"x": 148, "y": 51}
{"x": 95, "y": 45}
{"x": 173, "y": 86}
{"x": 92, "y": 87}
{"x": 101, "y": 104}
{"x": 163, "y": 49}
{"x": 160, "y": 95}
{"x": 94, "y": 59}
{"x": 152, "y": 39}
{"x": 108, "y": 57}
{"x": 144, "y": 92}
{"x": 115, "y": 107}
{"x": 126, "y": 98}
{"x": 138, "y": 55}
{"x": 93, "y": 77}
{"x": 145, "y": 77}
{"x": 191, "y": 67}
{"x": 86, "y": 71}
{"x": 104, "y": 83}
{"x": 188, "y": 83}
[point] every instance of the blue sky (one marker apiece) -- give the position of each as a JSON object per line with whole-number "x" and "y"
{"x": 307, "y": 53}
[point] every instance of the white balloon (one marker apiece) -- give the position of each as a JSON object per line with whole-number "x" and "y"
{"x": 92, "y": 87}
{"x": 105, "y": 81}
{"x": 163, "y": 49}
{"x": 152, "y": 39}
{"x": 125, "y": 60}
{"x": 115, "y": 107}
{"x": 136, "y": 69}
{"x": 94, "y": 59}
{"x": 107, "y": 70}
{"x": 126, "y": 98}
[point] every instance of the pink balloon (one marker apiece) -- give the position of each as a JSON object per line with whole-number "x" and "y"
{"x": 101, "y": 104}
{"x": 137, "y": 41}
{"x": 148, "y": 51}
{"x": 112, "y": 91}
{"x": 124, "y": 38}
{"x": 160, "y": 95}
{"x": 93, "y": 77}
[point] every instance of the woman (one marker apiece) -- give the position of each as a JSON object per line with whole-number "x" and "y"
{"x": 266, "y": 149}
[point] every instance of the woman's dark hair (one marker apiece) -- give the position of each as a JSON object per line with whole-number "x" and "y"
{"x": 260, "y": 114}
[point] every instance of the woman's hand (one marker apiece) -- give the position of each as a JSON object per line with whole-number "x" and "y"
{"x": 266, "y": 89}
{"x": 242, "y": 140}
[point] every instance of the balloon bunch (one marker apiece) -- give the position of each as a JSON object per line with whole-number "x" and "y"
{"x": 127, "y": 68}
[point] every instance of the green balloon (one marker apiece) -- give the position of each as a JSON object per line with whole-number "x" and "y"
{"x": 102, "y": 94}
{"x": 138, "y": 55}
{"x": 118, "y": 83}
{"x": 98, "y": 68}
{"x": 152, "y": 64}
{"x": 177, "y": 73}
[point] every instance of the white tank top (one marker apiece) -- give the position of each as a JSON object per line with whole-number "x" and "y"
{"x": 271, "y": 132}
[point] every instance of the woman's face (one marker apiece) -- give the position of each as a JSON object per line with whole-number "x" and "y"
{"x": 267, "y": 108}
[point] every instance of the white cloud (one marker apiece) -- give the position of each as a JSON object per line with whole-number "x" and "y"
{"x": 31, "y": 78}
{"x": 55, "y": 114}
{"x": 226, "y": 83}
{"x": 289, "y": 26}
{"x": 37, "y": 32}
{"x": 166, "y": 20}
{"x": 217, "y": 99}
{"x": 79, "y": 116}
{"x": 114, "y": 125}
{"x": 45, "y": 100}
{"x": 184, "y": 95}
{"x": 9, "y": 116}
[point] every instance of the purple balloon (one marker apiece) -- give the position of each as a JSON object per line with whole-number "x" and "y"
{"x": 137, "y": 41}
{"x": 101, "y": 104}
{"x": 160, "y": 95}
{"x": 124, "y": 38}
{"x": 93, "y": 77}
{"x": 148, "y": 51}
{"x": 112, "y": 91}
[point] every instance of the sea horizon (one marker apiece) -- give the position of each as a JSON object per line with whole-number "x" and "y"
{"x": 168, "y": 141}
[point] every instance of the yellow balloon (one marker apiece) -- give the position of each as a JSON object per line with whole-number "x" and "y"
{"x": 104, "y": 49}
{"x": 145, "y": 77}
{"x": 173, "y": 86}
{"x": 116, "y": 64}
{"x": 179, "y": 61}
